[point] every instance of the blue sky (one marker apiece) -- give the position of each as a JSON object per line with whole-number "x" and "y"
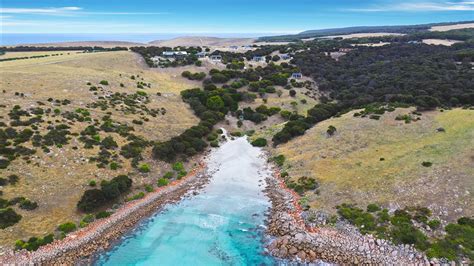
{"x": 220, "y": 16}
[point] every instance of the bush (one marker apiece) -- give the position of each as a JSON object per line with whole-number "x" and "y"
{"x": 168, "y": 175}
{"x": 373, "y": 208}
{"x": 104, "y": 82}
{"x": 102, "y": 214}
{"x": 91, "y": 200}
{"x": 278, "y": 160}
{"x": 27, "y": 204}
{"x": 92, "y": 183}
{"x": 427, "y": 164}
{"x": 434, "y": 224}
{"x": 8, "y": 217}
{"x": 67, "y": 227}
{"x": 148, "y": 188}
{"x": 144, "y": 168}
{"x": 34, "y": 243}
{"x": 162, "y": 182}
{"x": 331, "y": 130}
{"x": 260, "y": 142}
{"x": 178, "y": 166}
{"x": 13, "y": 179}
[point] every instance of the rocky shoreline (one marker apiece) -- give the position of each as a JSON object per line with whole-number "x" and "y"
{"x": 292, "y": 239}
{"x": 80, "y": 246}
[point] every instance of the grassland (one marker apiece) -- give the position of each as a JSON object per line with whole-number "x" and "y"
{"x": 369, "y": 161}
{"x": 57, "y": 179}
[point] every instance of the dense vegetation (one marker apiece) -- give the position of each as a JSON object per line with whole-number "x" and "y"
{"x": 401, "y": 74}
{"x": 407, "y": 29}
{"x": 410, "y": 226}
{"x": 210, "y": 105}
{"x": 56, "y": 48}
{"x": 110, "y": 191}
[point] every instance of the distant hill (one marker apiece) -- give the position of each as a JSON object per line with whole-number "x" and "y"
{"x": 203, "y": 41}
{"x": 364, "y": 29}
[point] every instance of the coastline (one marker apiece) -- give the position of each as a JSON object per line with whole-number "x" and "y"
{"x": 81, "y": 245}
{"x": 293, "y": 239}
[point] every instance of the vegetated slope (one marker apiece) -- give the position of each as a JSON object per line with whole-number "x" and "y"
{"x": 75, "y": 91}
{"x": 362, "y": 29}
{"x": 380, "y": 161}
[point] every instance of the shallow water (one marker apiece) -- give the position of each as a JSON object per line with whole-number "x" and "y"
{"x": 222, "y": 225}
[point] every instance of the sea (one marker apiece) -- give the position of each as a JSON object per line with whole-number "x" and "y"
{"x": 35, "y": 38}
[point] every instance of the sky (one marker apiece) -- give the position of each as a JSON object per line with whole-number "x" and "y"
{"x": 220, "y": 16}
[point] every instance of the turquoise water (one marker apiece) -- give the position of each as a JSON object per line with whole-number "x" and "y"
{"x": 222, "y": 225}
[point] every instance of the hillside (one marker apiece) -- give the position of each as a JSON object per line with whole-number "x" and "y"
{"x": 401, "y": 29}
{"x": 369, "y": 161}
{"x": 65, "y": 91}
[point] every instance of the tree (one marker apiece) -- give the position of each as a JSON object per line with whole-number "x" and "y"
{"x": 292, "y": 93}
{"x": 215, "y": 103}
{"x": 8, "y": 217}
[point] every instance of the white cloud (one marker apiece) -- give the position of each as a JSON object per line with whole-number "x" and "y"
{"x": 51, "y": 10}
{"x": 420, "y": 7}
{"x": 69, "y": 10}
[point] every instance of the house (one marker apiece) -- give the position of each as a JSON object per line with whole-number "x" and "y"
{"x": 155, "y": 59}
{"x": 296, "y": 75}
{"x": 174, "y": 53}
{"x": 345, "y": 50}
{"x": 168, "y": 54}
{"x": 201, "y": 54}
{"x": 285, "y": 57}
{"x": 216, "y": 57}
{"x": 258, "y": 59}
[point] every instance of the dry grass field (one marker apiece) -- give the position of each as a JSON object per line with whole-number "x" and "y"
{"x": 453, "y": 27}
{"x": 349, "y": 168}
{"x": 57, "y": 179}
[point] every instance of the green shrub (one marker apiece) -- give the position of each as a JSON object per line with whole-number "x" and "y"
{"x": 236, "y": 134}
{"x": 92, "y": 183}
{"x": 8, "y": 217}
{"x": 373, "y": 208}
{"x": 34, "y": 243}
{"x": 162, "y": 182}
{"x": 278, "y": 160}
{"x": 260, "y": 142}
{"x": 67, "y": 227}
{"x": 214, "y": 143}
{"x": 182, "y": 173}
{"x": 331, "y": 130}
{"x": 168, "y": 175}
{"x": 427, "y": 164}
{"x": 104, "y": 82}
{"x": 144, "y": 168}
{"x": 434, "y": 224}
{"x": 27, "y": 204}
{"x": 136, "y": 196}
{"x": 178, "y": 166}
{"x": 148, "y": 188}
{"x": 102, "y": 214}
{"x": 114, "y": 165}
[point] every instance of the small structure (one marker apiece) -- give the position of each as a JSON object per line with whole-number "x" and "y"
{"x": 296, "y": 75}
{"x": 345, "y": 50}
{"x": 258, "y": 59}
{"x": 216, "y": 57}
{"x": 174, "y": 53}
{"x": 201, "y": 54}
{"x": 233, "y": 47}
{"x": 155, "y": 59}
{"x": 285, "y": 57}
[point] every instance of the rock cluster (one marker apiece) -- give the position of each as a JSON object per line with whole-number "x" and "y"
{"x": 341, "y": 244}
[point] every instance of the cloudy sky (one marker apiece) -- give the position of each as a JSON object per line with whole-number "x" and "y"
{"x": 220, "y": 16}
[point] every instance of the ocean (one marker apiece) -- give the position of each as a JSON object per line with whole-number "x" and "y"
{"x": 32, "y": 38}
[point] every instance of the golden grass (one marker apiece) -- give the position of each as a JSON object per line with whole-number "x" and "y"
{"x": 349, "y": 169}
{"x": 57, "y": 180}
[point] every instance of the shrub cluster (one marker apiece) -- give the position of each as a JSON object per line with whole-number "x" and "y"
{"x": 93, "y": 199}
